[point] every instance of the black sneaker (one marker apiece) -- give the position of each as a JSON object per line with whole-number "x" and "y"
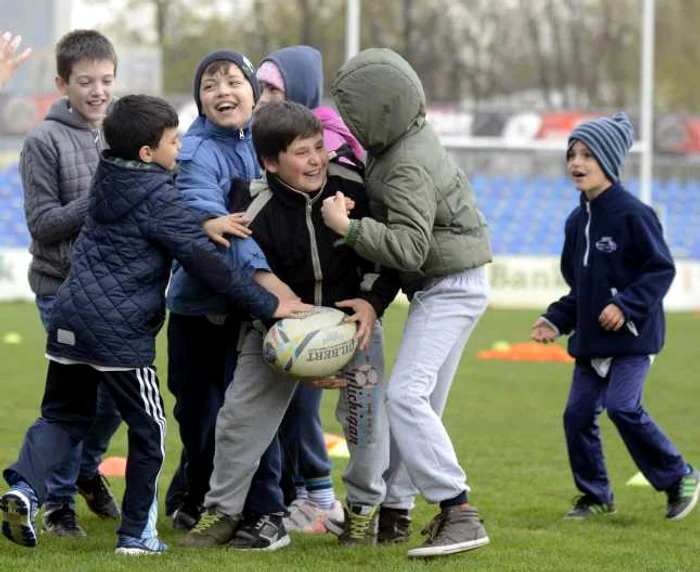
{"x": 455, "y": 529}
{"x": 186, "y": 516}
{"x": 98, "y": 497}
{"x": 683, "y": 496}
{"x": 360, "y": 526}
{"x": 63, "y": 522}
{"x": 394, "y": 526}
{"x": 261, "y": 532}
{"x": 586, "y": 507}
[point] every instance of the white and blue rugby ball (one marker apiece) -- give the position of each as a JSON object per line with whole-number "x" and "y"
{"x": 318, "y": 344}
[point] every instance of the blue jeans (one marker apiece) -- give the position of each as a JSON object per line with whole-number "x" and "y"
{"x": 84, "y": 459}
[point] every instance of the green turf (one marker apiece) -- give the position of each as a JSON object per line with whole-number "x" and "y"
{"x": 505, "y": 420}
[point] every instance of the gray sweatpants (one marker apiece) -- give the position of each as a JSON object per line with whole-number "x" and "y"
{"x": 253, "y": 409}
{"x": 440, "y": 320}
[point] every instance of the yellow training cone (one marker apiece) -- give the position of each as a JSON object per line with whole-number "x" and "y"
{"x": 638, "y": 480}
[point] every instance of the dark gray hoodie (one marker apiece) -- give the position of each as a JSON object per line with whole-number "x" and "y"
{"x": 58, "y": 160}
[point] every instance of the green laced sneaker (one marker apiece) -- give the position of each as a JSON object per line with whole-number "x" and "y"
{"x": 213, "y": 529}
{"x": 587, "y": 507}
{"x": 683, "y": 496}
{"x": 360, "y": 526}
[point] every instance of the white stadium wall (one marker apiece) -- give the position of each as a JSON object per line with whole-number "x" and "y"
{"x": 525, "y": 282}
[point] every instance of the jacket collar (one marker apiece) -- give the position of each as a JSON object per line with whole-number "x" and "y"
{"x": 289, "y": 194}
{"x": 605, "y": 200}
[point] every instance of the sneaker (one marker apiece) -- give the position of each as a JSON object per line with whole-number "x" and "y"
{"x": 360, "y": 526}
{"x": 261, "y": 532}
{"x": 304, "y": 516}
{"x": 138, "y": 546}
{"x": 18, "y": 517}
{"x": 98, "y": 496}
{"x": 586, "y": 506}
{"x": 334, "y": 519}
{"x": 213, "y": 529}
{"x": 63, "y": 522}
{"x": 455, "y": 529}
{"x": 394, "y": 526}
{"x": 186, "y": 516}
{"x": 683, "y": 496}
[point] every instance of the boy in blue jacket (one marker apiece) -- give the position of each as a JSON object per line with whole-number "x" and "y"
{"x": 202, "y": 331}
{"x": 108, "y": 311}
{"x": 618, "y": 268}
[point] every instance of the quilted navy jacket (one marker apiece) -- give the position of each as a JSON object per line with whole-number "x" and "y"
{"x": 112, "y": 304}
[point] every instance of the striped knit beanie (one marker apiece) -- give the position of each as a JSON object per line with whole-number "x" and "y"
{"x": 609, "y": 139}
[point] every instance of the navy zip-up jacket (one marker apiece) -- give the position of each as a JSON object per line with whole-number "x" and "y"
{"x": 614, "y": 252}
{"x": 112, "y": 305}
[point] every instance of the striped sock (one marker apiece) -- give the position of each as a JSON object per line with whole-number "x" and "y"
{"x": 321, "y": 491}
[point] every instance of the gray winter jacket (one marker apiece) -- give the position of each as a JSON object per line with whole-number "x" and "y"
{"x": 58, "y": 160}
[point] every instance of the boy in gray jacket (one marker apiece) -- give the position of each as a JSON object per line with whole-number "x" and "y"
{"x": 57, "y": 163}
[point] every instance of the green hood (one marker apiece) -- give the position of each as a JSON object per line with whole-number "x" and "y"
{"x": 379, "y": 97}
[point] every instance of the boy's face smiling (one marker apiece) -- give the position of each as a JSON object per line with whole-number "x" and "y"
{"x": 165, "y": 154}
{"x": 303, "y": 166}
{"x": 227, "y": 98}
{"x": 89, "y": 89}
{"x": 585, "y": 171}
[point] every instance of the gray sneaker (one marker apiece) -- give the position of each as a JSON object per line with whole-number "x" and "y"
{"x": 213, "y": 529}
{"x": 455, "y": 529}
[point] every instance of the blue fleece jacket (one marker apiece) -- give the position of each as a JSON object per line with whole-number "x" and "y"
{"x": 210, "y": 157}
{"x": 301, "y": 68}
{"x": 614, "y": 252}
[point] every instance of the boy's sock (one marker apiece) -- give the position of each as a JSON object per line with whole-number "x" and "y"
{"x": 300, "y": 489}
{"x": 321, "y": 492}
{"x": 460, "y": 499}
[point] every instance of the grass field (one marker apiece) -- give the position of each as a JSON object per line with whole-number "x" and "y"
{"x": 505, "y": 420}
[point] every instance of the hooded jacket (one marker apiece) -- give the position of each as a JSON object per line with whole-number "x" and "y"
{"x": 427, "y": 221}
{"x": 211, "y": 156}
{"x": 57, "y": 162}
{"x": 301, "y": 68}
{"x": 112, "y": 304}
{"x": 614, "y": 253}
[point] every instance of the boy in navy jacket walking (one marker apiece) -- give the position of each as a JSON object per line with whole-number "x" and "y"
{"x": 108, "y": 311}
{"x": 618, "y": 268}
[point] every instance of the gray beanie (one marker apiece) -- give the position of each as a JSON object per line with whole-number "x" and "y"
{"x": 609, "y": 140}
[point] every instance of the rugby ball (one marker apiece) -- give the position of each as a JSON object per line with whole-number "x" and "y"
{"x": 318, "y": 344}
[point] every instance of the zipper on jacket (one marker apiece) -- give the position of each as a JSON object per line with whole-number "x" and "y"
{"x": 587, "y": 233}
{"x": 318, "y": 275}
{"x": 241, "y": 134}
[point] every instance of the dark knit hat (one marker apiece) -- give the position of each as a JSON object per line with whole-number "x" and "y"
{"x": 227, "y": 55}
{"x": 609, "y": 140}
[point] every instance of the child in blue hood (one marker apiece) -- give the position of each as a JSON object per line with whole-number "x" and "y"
{"x": 619, "y": 269}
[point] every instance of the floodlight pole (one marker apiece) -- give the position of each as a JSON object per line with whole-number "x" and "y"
{"x": 352, "y": 29}
{"x": 647, "y": 103}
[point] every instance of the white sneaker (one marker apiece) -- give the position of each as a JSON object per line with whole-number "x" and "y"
{"x": 307, "y": 517}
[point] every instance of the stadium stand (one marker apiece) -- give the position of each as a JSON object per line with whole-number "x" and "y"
{"x": 526, "y": 214}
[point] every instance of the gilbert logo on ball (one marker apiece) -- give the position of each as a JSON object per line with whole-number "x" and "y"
{"x": 319, "y": 344}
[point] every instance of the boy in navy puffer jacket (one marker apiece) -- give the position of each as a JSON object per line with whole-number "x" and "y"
{"x": 110, "y": 308}
{"x": 619, "y": 269}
